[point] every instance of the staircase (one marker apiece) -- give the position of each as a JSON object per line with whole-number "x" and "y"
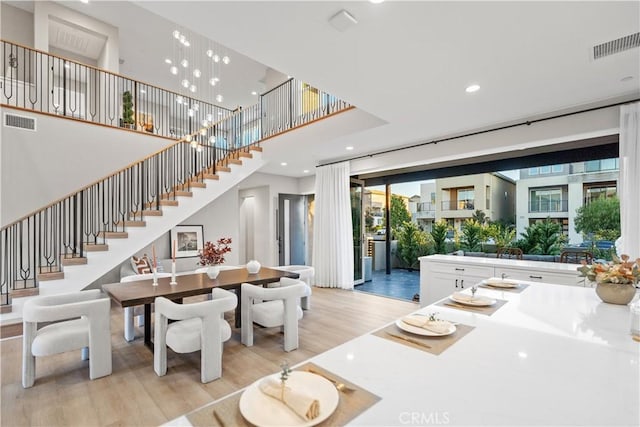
{"x": 113, "y": 247}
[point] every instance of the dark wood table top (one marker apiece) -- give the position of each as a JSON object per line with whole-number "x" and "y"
{"x": 143, "y": 292}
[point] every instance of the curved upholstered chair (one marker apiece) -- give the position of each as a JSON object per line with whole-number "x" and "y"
{"x": 82, "y": 322}
{"x": 280, "y": 307}
{"x": 131, "y": 312}
{"x": 306, "y": 275}
{"x": 197, "y": 326}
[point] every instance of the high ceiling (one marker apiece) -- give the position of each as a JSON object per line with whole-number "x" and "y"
{"x": 405, "y": 64}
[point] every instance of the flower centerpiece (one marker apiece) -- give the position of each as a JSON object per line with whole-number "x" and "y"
{"x": 615, "y": 281}
{"x": 212, "y": 255}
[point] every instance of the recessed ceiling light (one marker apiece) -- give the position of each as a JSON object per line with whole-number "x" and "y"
{"x": 84, "y": 1}
{"x": 167, "y": 61}
{"x": 472, "y": 88}
{"x": 376, "y": 1}
{"x": 253, "y": 92}
{"x": 283, "y": 164}
{"x": 349, "y": 148}
{"x": 305, "y": 171}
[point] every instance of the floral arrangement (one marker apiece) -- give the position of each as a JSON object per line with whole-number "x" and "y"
{"x": 622, "y": 270}
{"x": 213, "y": 253}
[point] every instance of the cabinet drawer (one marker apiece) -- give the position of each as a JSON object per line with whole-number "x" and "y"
{"x": 571, "y": 279}
{"x": 460, "y": 269}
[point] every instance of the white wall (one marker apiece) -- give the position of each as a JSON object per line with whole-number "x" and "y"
{"x": 16, "y": 25}
{"x": 43, "y": 10}
{"x": 59, "y": 158}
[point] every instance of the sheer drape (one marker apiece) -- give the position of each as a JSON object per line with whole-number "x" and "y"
{"x": 629, "y": 183}
{"x": 332, "y": 229}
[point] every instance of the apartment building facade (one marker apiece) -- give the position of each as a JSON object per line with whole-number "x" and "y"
{"x": 557, "y": 191}
{"x": 457, "y": 198}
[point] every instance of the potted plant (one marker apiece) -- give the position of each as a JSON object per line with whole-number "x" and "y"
{"x": 127, "y": 110}
{"x": 615, "y": 280}
{"x": 212, "y": 255}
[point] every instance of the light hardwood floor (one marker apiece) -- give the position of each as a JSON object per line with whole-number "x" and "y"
{"x": 133, "y": 395}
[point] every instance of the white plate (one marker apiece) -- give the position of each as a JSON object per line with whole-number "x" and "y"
{"x": 477, "y": 301}
{"x": 422, "y": 331}
{"x": 262, "y": 410}
{"x": 499, "y": 283}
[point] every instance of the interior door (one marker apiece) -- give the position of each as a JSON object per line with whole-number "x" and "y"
{"x": 291, "y": 229}
{"x": 357, "y": 219}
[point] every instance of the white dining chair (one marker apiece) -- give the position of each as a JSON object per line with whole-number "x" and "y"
{"x": 81, "y": 323}
{"x": 306, "y": 274}
{"x": 131, "y": 313}
{"x": 198, "y": 326}
{"x": 277, "y": 307}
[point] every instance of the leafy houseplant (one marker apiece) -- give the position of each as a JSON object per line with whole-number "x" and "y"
{"x": 213, "y": 253}
{"x": 615, "y": 280}
{"x": 127, "y": 109}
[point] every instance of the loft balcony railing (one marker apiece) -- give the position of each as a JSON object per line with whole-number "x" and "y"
{"x": 208, "y": 136}
{"x": 548, "y": 206}
{"x": 38, "y": 81}
{"x": 458, "y": 205}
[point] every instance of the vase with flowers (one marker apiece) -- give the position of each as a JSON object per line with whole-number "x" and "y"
{"x": 212, "y": 255}
{"x": 616, "y": 280}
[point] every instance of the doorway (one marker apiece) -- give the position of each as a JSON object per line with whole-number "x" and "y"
{"x": 293, "y": 228}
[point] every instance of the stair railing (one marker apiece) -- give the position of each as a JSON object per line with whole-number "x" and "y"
{"x": 38, "y": 81}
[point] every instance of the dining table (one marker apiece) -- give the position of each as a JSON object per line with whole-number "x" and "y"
{"x": 144, "y": 292}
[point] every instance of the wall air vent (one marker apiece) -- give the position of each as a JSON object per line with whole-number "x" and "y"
{"x": 20, "y": 122}
{"x": 617, "y": 45}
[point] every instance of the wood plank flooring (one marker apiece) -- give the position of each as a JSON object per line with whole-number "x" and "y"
{"x": 134, "y": 395}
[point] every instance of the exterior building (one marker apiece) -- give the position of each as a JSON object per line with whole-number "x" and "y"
{"x": 424, "y": 213}
{"x": 457, "y": 198}
{"x": 557, "y": 191}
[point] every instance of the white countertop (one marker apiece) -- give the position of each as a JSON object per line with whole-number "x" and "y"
{"x": 553, "y": 355}
{"x": 501, "y": 262}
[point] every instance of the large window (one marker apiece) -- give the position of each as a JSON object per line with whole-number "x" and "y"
{"x": 547, "y": 200}
{"x": 466, "y": 199}
{"x": 600, "y": 190}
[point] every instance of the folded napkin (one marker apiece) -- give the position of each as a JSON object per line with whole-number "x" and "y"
{"x": 302, "y": 404}
{"x": 437, "y": 326}
{"x": 457, "y": 296}
{"x": 499, "y": 281}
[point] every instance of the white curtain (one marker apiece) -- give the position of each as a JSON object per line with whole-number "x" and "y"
{"x": 332, "y": 228}
{"x": 629, "y": 182}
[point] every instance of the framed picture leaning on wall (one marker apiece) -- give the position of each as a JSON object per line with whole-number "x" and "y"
{"x": 189, "y": 240}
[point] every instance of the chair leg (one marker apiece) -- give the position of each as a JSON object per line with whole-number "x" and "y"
{"x": 129, "y": 330}
{"x": 28, "y": 359}
{"x": 290, "y": 324}
{"x": 160, "y": 346}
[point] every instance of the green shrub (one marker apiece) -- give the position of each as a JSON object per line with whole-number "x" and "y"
{"x": 439, "y": 236}
{"x": 412, "y": 243}
{"x": 472, "y": 235}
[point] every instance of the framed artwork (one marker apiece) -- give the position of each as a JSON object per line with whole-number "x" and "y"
{"x": 188, "y": 240}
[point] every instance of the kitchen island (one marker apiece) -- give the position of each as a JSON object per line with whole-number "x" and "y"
{"x": 551, "y": 355}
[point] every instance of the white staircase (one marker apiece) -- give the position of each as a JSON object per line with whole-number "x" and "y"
{"x": 77, "y": 277}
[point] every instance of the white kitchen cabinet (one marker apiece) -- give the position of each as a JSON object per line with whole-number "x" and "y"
{"x": 442, "y": 279}
{"x": 441, "y": 275}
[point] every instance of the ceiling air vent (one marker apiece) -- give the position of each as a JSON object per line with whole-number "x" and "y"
{"x": 615, "y": 46}
{"x": 20, "y": 122}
